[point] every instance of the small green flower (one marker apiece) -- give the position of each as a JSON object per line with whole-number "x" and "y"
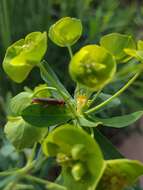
{"x": 78, "y": 154}
{"x": 92, "y": 66}
{"x": 24, "y": 54}
{"x": 119, "y": 174}
{"x": 66, "y": 31}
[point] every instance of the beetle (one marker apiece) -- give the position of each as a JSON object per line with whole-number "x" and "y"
{"x": 48, "y": 101}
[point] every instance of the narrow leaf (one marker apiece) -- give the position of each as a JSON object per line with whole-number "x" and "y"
{"x": 119, "y": 121}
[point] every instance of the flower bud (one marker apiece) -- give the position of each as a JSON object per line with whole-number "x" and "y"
{"x": 93, "y": 67}
{"x": 23, "y": 55}
{"x": 66, "y": 31}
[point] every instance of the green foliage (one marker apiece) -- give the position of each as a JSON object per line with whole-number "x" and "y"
{"x": 46, "y": 115}
{"x": 118, "y": 121}
{"x": 73, "y": 145}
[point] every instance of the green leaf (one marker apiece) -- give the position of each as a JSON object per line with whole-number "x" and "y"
{"x": 51, "y": 79}
{"x": 108, "y": 149}
{"x": 21, "y": 134}
{"x": 66, "y": 31}
{"x": 119, "y": 121}
{"x": 46, "y": 115}
{"x": 115, "y": 43}
{"x": 78, "y": 154}
{"x": 24, "y": 54}
{"x": 87, "y": 123}
{"x": 119, "y": 174}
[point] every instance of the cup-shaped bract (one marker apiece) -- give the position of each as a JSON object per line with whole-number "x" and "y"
{"x": 115, "y": 43}
{"x": 78, "y": 154}
{"x": 21, "y": 134}
{"x": 41, "y": 91}
{"x": 93, "y": 67}
{"x": 120, "y": 174}
{"x": 66, "y": 31}
{"x": 24, "y": 54}
{"x": 136, "y": 53}
{"x": 22, "y": 100}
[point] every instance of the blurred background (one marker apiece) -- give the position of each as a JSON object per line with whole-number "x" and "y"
{"x": 17, "y": 18}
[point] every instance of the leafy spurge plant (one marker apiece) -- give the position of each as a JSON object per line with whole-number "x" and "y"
{"x": 66, "y": 127}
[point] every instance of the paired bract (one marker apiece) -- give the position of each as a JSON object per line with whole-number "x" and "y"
{"x": 25, "y": 54}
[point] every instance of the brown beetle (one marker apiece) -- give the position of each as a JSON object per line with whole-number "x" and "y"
{"x": 48, "y": 101}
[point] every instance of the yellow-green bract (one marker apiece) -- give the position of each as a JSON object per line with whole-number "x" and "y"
{"x": 92, "y": 66}
{"x": 119, "y": 174}
{"x": 21, "y": 134}
{"x": 66, "y": 31}
{"x": 24, "y": 54}
{"x": 115, "y": 43}
{"x": 78, "y": 154}
{"x": 136, "y": 53}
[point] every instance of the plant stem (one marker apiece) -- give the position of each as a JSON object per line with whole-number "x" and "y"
{"x": 31, "y": 157}
{"x": 6, "y": 173}
{"x": 70, "y": 51}
{"x": 114, "y": 96}
{"x": 94, "y": 98}
{"x": 42, "y": 181}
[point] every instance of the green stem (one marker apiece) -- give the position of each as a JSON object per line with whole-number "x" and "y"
{"x": 2, "y": 174}
{"x": 70, "y": 51}
{"x": 94, "y": 98}
{"x": 114, "y": 96}
{"x": 31, "y": 157}
{"x": 42, "y": 181}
